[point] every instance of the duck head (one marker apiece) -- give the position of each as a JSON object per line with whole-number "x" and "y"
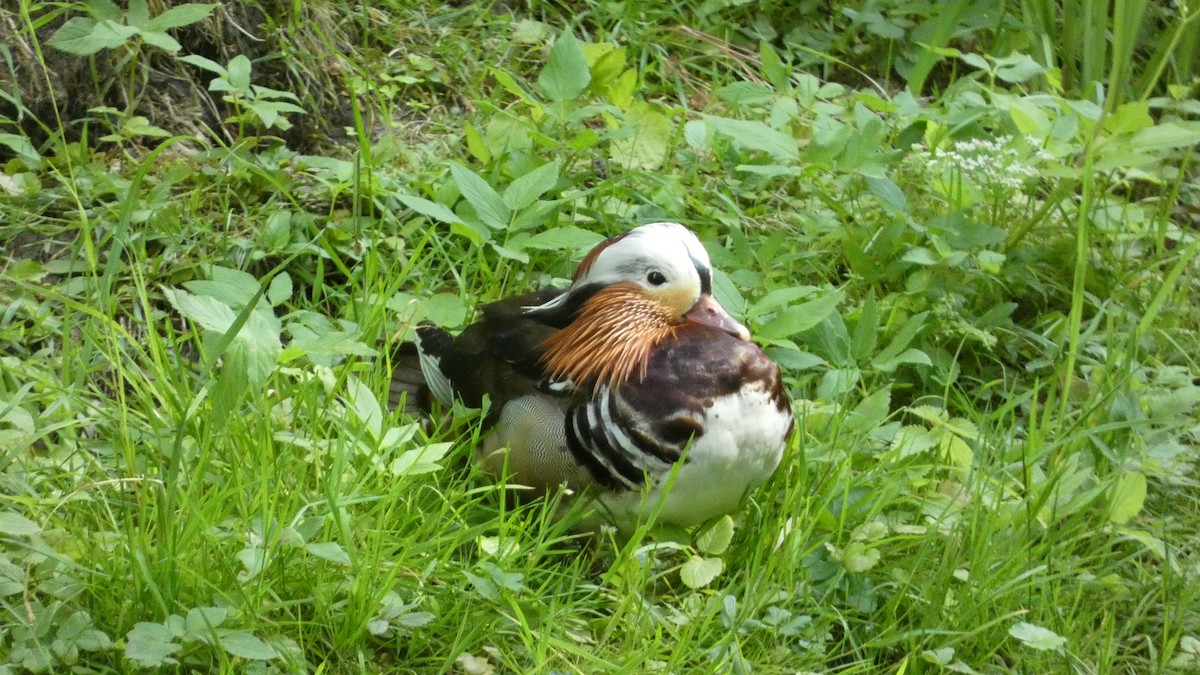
{"x": 629, "y": 294}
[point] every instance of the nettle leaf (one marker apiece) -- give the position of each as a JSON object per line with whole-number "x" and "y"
{"x": 420, "y": 460}
{"x": 858, "y": 557}
{"x": 566, "y": 74}
{"x": 243, "y": 644}
{"x": 239, "y": 72}
{"x": 1128, "y": 497}
{"x": 430, "y": 209}
{"x": 151, "y": 645}
{"x": 330, "y": 551}
{"x": 646, "y": 148}
{"x": 1017, "y": 68}
{"x": 800, "y": 318}
{"x": 14, "y": 524}
{"x": 445, "y": 309}
{"x": 182, "y": 15}
{"x": 755, "y": 135}
{"x": 699, "y": 571}
{"x": 1041, "y": 639}
{"x": 210, "y": 313}
{"x": 525, "y": 190}
{"x": 913, "y": 440}
{"x": 200, "y": 621}
{"x": 715, "y": 539}
{"x": 568, "y": 238}
{"x": 483, "y": 197}
{"x": 83, "y": 36}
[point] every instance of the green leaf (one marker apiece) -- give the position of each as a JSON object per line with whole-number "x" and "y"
{"x": 16, "y": 525}
{"x": 200, "y": 621}
{"x": 182, "y": 15}
{"x": 205, "y": 64}
{"x": 445, "y": 309}
{"x": 242, "y": 644}
{"x": 23, "y": 148}
{"x": 210, "y": 313}
{"x": 1039, "y": 638}
{"x": 699, "y": 572}
{"x": 239, "y": 72}
{"x": 138, "y": 14}
{"x": 566, "y": 73}
{"x": 280, "y": 289}
{"x": 800, "y": 318}
{"x": 755, "y": 135}
{"x": 420, "y": 461}
{"x": 365, "y": 406}
{"x": 567, "y": 238}
{"x": 647, "y": 146}
{"x": 1128, "y": 497}
{"x": 83, "y": 36}
{"x": 487, "y": 202}
{"x": 151, "y": 645}
{"x": 1017, "y": 68}
{"x": 773, "y": 68}
{"x": 716, "y": 537}
{"x": 889, "y": 193}
{"x": 162, "y": 41}
{"x": 430, "y": 209}
{"x": 859, "y": 557}
{"x": 329, "y": 550}
{"x": 525, "y": 190}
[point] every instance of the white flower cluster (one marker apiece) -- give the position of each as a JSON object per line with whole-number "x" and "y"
{"x": 990, "y": 164}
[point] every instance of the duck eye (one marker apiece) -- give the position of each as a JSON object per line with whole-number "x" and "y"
{"x": 656, "y": 278}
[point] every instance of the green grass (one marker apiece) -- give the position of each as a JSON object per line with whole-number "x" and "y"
{"x": 983, "y": 303}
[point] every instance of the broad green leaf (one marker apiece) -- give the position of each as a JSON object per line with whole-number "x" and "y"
{"x": 179, "y": 16}
{"x": 646, "y": 148}
{"x": 210, "y": 313}
{"x": 239, "y": 72}
{"x": 912, "y": 440}
{"x": 1128, "y": 497}
{"x": 162, "y": 41}
{"x": 800, "y": 318}
{"x": 23, "y": 148}
{"x": 151, "y": 645}
{"x": 487, "y": 202}
{"x": 476, "y": 146}
{"x": 420, "y": 460}
{"x": 445, "y": 309}
{"x": 566, "y": 73}
{"x": 903, "y": 338}
{"x": 755, "y": 135}
{"x": 206, "y": 64}
{"x": 244, "y": 645}
{"x": 699, "y": 571}
{"x": 365, "y": 406}
{"x": 430, "y": 209}
{"x": 82, "y": 36}
{"x": 566, "y": 238}
{"x": 280, "y": 289}
{"x": 233, "y": 287}
{"x": 14, "y": 524}
{"x": 716, "y": 537}
{"x": 743, "y": 92}
{"x": 200, "y": 621}
{"x": 525, "y": 190}
{"x": 889, "y": 193}
{"x": 1167, "y": 136}
{"x": 773, "y": 68}
{"x": 329, "y": 550}
{"x": 1041, "y": 639}
{"x": 858, "y": 557}
{"x": 138, "y": 13}
{"x": 1017, "y": 68}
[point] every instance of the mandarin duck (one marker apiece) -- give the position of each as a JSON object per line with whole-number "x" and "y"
{"x": 631, "y": 376}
